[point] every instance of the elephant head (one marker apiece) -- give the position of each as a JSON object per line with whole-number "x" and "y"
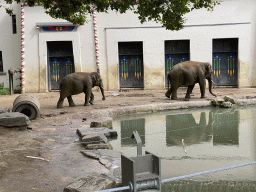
{"x": 97, "y": 81}
{"x": 208, "y": 75}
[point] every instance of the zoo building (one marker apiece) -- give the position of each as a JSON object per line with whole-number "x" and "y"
{"x": 127, "y": 54}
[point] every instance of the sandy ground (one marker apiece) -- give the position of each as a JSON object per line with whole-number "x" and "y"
{"x": 53, "y": 136}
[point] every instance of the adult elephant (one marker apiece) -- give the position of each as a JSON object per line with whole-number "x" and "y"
{"x": 189, "y": 73}
{"x": 79, "y": 82}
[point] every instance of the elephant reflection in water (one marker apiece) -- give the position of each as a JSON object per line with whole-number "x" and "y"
{"x": 184, "y": 126}
{"x": 222, "y": 127}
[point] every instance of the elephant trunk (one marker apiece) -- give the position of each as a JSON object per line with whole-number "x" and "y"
{"x": 210, "y": 86}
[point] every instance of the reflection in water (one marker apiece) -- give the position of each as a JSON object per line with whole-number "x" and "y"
{"x": 225, "y": 128}
{"x": 127, "y": 130}
{"x": 213, "y": 137}
{"x": 184, "y": 126}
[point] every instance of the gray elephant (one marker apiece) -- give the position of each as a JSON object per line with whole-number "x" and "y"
{"x": 189, "y": 73}
{"x": 79, "y": 82}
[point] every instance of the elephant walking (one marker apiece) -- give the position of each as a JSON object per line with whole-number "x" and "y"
{"x": 189, "y": 73}
{"x": 79, "y": 82}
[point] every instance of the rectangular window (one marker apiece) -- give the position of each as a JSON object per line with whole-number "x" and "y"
{"x": 1, "y": 62}
{"x": 225, "y": 61}
{"x": 14, "y": 27}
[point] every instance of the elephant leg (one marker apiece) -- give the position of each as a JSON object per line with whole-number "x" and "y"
{"x": 174, "y": 93}
{"x": 168, "y": 93}
{"x": 91, "y": 99}
{"x": 202, "y": 89}
{"x": 60, "y": 102}
{"x": 189, "y": 91}
{"x": 88, "y": 93}
{"x": 70, "y": 101}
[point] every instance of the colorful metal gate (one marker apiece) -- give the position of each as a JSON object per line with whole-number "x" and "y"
{"x": 131, "y": 65}
{"x": 60, "y": 62}
{"x": 224, "y": 61}
{"x": 176, "y": 51}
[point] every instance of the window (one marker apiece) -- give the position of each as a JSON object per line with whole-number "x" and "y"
{"x": 14, "y": 27}
{"x": 1, "y": 62}
{"x": 176, "y": 51}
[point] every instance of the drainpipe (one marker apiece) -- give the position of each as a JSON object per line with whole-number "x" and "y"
{"x": 22, "y": 49}
{"x": 96, "y": 39}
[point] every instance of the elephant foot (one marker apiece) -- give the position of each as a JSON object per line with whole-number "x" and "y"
{"x": 58, "y": 106}
{"x": 72, "y": 105}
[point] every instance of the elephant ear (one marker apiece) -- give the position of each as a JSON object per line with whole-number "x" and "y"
{"x": 94, "y": 78}
{"x": 207, "y": 68}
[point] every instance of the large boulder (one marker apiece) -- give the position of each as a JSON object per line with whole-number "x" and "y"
{"x": 14, "y": 119}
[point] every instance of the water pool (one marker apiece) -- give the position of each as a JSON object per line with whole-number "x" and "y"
{"x": 213, "y": 138}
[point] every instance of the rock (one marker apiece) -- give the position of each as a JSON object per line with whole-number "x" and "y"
{"x": 88, "y": 131}
{"x": 14, "y": 119}
{"x": 230, "y": 99}
{"x": 214, "y": 102}
{"x": 226, "y": 105}
{"x": 4, "y": 110}
{"x": 94, "y": 138}
{"x": 102, "y": 122}
{"x": 91, "y": 182}
{"x": 99, "y": 146}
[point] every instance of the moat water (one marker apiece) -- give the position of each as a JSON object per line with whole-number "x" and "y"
{"x": 192, "y": 141}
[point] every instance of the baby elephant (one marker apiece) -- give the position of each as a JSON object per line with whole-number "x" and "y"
{"x": 79, "y": 82}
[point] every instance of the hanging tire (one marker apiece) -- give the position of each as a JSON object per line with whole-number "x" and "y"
{"x": 28, "y": 105}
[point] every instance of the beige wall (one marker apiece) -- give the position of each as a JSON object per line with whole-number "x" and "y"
{"x": 231, "y": 19}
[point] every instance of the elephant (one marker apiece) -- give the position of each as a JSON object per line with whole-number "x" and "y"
{"x": 79, "y": 82}
{"x": 189, "y": 73}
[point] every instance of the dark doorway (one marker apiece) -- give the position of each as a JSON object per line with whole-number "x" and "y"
{"x": 176, "y": 51}
{"x": 60, "y": 62}
{"x": 131, "y": 72}
{"x": 224, "y": 61}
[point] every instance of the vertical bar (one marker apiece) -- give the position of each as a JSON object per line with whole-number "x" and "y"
{"x": 22, "y": 49}
{"x": 58, "y": 70}
{"x": 139, "y": 142}
{"x": 96, "y": 39}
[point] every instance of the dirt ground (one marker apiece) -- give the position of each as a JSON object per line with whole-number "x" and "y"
{"x": 53, "y": 137}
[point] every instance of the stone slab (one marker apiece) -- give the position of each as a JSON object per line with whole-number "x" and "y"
{"x": 88, "y": 131}
{"x": 94, "y": 138}
{"x": 91, "y": 182}
{"x": 14, "y": 119}
{"x": 99, "y": 146}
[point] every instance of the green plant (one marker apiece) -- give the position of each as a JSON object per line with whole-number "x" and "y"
{"x": 4, "y": 91}
{"x": 17, "y": 91}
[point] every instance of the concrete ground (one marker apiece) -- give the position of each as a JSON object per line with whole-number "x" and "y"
{"x": 53, "y": 136}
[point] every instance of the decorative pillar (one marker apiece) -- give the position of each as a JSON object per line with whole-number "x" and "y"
{"x": 96, "y": 39}
{"x": 22, "y": 49}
